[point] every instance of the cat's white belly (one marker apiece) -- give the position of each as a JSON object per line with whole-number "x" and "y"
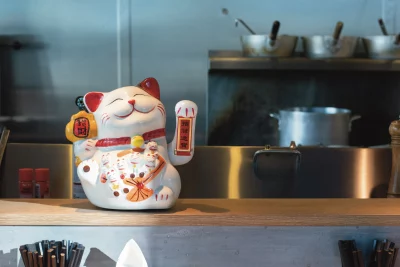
{"x": 122, "y": 179}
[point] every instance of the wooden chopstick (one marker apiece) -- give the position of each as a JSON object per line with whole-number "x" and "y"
{"x": 62, "y": 260}
{"x": 35, "y": 259}
{"x": 389, "y": 259}
{"x": 379, "y": 257}
{"x": 30, "y": 259}
{"x": 396, "y": 251}
{"x": 49, "y": 253}
{"x": 53, "y": 261}
{"x": 355, "y": 259}
{"x": 24, "y": 255}
{"x": 360, "y": 258}
{"x": 40, "y": 259}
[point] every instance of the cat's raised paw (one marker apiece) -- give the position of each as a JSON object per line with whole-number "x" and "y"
{"x": 88, "y": 170}
{"x": 85, "y": 149}
{"x": 186, "y": 108}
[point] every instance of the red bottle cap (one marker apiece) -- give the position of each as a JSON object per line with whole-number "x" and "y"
{"x": 42, "y": 174}
{"x": 25, "y": 174}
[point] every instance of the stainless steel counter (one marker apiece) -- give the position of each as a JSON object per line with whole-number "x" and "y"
{"x": 227, "y": 172}
{"x": 234, "y": 60}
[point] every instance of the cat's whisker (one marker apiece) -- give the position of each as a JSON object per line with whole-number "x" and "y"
{"x": 162, "y": 107}
{"x": 104, "y": 115}
{"x": 103, "y": 121}
{"x": 162, "y": 112}
{"x": 106, "y": 120}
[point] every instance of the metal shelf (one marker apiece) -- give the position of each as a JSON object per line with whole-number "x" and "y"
{"x": 233, "y": 60}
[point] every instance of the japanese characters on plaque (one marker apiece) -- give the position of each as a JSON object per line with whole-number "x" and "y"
{"x": 184, "y": 138}
{"x": 81, "y": 127}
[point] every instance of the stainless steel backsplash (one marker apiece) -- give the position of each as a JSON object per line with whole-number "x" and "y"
{"x": 227, "y": 172}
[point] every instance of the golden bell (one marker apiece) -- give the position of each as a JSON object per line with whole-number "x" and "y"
{"x": 137, "y": 141}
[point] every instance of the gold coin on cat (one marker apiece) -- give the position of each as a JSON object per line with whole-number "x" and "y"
{"x": 137, "y": 141}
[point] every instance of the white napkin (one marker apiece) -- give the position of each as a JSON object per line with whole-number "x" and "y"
{"x": 131, "y": 256}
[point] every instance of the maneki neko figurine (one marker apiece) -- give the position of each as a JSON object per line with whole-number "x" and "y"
{"x": 122, "y": 156}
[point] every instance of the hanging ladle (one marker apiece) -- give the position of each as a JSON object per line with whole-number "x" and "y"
{"x": 274, "y": 32}
{"x": 244, "y": 24}
{"x": 382, "y": 26}
{"x": 384, "y": 31}
{"x": 336, "y": 33}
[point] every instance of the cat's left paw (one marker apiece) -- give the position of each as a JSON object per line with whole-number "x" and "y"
{"x": 186, "y": 108}
{"x": 88, "y": 170}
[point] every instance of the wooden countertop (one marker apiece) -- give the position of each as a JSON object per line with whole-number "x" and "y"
{"x": 208, "y": 212}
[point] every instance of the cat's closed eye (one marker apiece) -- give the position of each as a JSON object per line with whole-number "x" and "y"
{"x": 114, "y": 101}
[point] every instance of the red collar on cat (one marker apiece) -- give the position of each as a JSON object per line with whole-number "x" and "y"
{"x": 106, "y": 142}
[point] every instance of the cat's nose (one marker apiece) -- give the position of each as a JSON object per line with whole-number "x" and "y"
{"x": 132, "y": 102}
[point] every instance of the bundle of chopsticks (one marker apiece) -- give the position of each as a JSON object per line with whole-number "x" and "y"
{"x": 350, "y": 255}
{"x": 52, "y": 254}
{"x": 384, "y": 254}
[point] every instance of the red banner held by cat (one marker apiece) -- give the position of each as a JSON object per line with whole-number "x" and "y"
{"x": 184, "y": 137}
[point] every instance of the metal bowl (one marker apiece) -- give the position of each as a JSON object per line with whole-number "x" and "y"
{"x": 325, "y": 47}
{"x": 263, "y": 46}
{"x": 382, "y": 47}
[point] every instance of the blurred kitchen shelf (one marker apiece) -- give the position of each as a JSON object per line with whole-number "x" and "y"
{"x": 233, "y": 60}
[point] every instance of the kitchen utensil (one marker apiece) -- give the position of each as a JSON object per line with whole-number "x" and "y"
{"x": 272, "y": 45}
{"x": 237, "y": 21}
{"x": 382, "y": 46}
{"x": 330, "y": 46}
{"x": 310, "y": 126}
{"x": 49, "y": 253}
{"x": 383, "y": 27}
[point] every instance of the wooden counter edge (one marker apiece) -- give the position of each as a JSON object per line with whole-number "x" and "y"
{"x": 206, "y": 212}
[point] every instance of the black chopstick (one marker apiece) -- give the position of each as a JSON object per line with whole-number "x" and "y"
{"x": 81, "y": 249}
{"x": 72, "y": 259}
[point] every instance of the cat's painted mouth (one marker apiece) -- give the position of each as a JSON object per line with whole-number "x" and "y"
{"x": 130, "y": 113}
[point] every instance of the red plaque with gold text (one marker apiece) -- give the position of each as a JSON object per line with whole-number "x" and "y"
{"x": 184, "y": 137}
{"x": 81, "y": 127}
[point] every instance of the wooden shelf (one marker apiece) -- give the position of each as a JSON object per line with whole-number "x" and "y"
{"x": 208, "y": 212}
{"x": 233, "y": 60}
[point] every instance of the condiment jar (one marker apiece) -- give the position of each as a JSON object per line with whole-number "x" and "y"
{"x": 42, "y": 179}
{"x": 25, "y": 176}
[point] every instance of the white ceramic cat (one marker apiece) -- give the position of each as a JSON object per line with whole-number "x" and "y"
{"x": 131, "y": 139}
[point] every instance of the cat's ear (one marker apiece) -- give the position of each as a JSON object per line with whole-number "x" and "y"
{"x": 92, "y": 100}
{"x": 150, "y": 85}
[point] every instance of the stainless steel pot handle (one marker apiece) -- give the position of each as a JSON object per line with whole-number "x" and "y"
{"x": 275, "y": 116}
{"x": 353, "y": 118}
{"x": 291, "y": 150}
